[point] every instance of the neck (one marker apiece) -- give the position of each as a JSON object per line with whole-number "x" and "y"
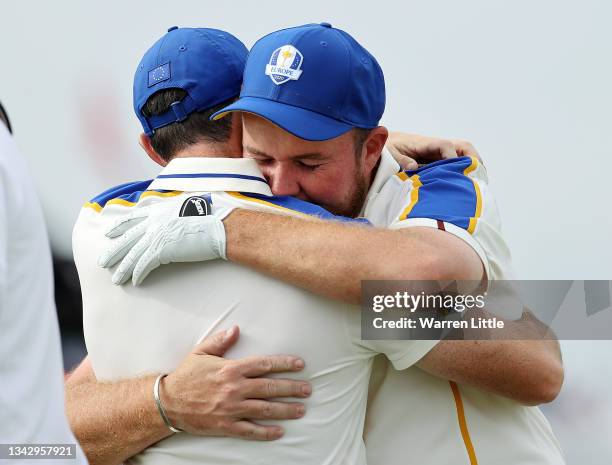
{"x": 210, "y": 150}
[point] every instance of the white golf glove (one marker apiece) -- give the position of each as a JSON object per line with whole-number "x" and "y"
{"x": 162, "y": 233}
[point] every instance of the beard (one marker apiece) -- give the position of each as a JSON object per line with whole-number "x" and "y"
{"x": 358, "y": 198}
{"x": 354, "y": 202}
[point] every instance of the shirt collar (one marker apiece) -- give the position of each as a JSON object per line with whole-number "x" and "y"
{"x": 203, "y": 174}
{"x": 387, "y": 167}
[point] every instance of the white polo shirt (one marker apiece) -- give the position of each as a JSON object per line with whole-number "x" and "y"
{"x": 130, "y": 330}
{"x": 414, "y": 417}
{"x": 31, "y": 369}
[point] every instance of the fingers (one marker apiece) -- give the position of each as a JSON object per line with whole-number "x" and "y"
{"x": 466, "y": 149}
{"x": 145, "y": 264}
{"x": 406, "y": 163}
{"x": 218, "y": 343}
{"x": 411, "y": 149}
{"x": 265, "y": 410}
{"x": 446, "y": 149}
{"x": 400, "y": 143}
{"x": 247, "y": 430}
{"x": 265, "y": 388}
{"x": 121, "y": 246}
{"x": 393, "y": 151}
{"x": 425, "y": 149}
{"x": 259, "y": 366}
{"x": 127, "y": 222}
{"x": 127, "y": 265}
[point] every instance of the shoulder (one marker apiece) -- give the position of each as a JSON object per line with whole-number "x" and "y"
{"x": 451, "y": 195}
{"x": 286, "y": 205}
{"x": 125, "y": 195}
{"x": 449, "y": 190}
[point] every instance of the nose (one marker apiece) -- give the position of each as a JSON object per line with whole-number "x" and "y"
{"x": 283, "y": 180}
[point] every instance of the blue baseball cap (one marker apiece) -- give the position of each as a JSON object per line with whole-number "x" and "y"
{"x": 313, "y": 81}
{"x": 206, "y": 63}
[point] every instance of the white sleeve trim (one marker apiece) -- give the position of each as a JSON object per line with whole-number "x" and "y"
{"x": 450, "y": 228}
{"x": 421, "y": 349}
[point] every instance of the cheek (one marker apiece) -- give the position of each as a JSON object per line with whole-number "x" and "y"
{"x": 329, "y": 188}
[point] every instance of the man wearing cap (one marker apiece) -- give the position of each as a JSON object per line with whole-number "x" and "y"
{"x": 102, "y": 413}
{"x": 313, "y": 99}
{"x": 206, "y": 395}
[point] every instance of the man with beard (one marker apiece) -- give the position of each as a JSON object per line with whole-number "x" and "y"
{"x": 311, "y": 239}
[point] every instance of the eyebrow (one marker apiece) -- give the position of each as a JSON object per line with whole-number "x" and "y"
{"x": 301, "y": 156}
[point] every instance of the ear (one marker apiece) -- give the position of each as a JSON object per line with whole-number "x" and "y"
{"x": 373, "y": 146}
{"x": 145, "y": 143}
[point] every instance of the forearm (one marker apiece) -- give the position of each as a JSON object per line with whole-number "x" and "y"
{"x": 206, "y": 396}
{"x": 327, "y": 258}
{"x": 114, "y": 421}
{"x": 529, "y": 371}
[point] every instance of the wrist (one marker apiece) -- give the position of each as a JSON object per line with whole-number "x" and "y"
{"x": 233, "y": 232}
{"x": 233, "y": 217}
{"x": 151, "y": 415}
{"x": 166, "y": 405}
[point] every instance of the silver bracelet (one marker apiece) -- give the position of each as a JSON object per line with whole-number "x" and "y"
{"x": 162, "y": 412}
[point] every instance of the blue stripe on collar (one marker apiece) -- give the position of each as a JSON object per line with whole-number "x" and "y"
{"x": 212, "y": 175}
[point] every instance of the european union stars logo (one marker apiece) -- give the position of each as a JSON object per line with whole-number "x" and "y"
{"x": 284, "y": 65}
{"x": 159, "y": 74}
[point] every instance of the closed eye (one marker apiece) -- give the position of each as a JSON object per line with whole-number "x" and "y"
{"x": 308, "y": 165}
{"x": 263, "y": 161}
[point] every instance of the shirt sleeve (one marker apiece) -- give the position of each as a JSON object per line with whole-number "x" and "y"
{"x": 454, "y": 196}
{"x": 401, "y": 354}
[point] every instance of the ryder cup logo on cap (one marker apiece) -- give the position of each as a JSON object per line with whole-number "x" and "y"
{"x": 285, "y": 65}
{"x": 339, "y": 87}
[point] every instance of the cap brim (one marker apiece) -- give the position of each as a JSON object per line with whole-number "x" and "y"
{"x": 305, "y": 124}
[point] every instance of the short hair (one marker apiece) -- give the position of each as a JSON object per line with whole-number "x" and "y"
{"x": 360, "y": 135}
{"x": 197, "y": 127}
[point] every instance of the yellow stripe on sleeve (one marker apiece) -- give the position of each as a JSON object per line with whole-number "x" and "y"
{"x": 160, "y": 194}
{"x": 93, "y": 205}
{"x": 465, "y": 432}
{"x": 126, "y": 203}
{"x": 403, "y": 176}
{"x": 414, "y": 196}
{"x": 123, "y": 202}
{"x": 240, "y": 196}
{"x": 473, "y": 220}
{"x": 472, "y": 166}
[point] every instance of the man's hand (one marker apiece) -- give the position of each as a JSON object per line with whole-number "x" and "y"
{"x": 157, "y": 235}
{"x": 410, "y": 150}
{"x": 205, "y": 395}
{"x": 211, "y": 396}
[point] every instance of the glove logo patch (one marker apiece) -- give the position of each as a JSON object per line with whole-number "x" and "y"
{"x": 196, "y": 206}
